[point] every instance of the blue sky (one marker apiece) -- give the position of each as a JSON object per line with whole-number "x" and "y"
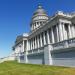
{"x": 15, "y": 17}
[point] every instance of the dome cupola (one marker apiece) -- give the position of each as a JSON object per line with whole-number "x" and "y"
{"x": 39, "y": 18}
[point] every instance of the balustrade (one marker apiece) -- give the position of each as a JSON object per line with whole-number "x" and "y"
{"x": 38, "y": 50}
{"x": 64, "y": 44}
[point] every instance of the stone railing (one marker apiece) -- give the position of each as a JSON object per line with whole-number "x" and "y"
{"x": 19, "y": 54}
{"x": 58, "y": 45}
{"x": 38, "y": 50}
{"x": 71, "y": 42}
{"x": 64, "y": 44}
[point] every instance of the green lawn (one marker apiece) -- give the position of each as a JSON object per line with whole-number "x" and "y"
{"x": 14, "y": 68}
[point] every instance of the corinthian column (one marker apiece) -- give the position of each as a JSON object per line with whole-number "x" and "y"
{"x": 28, "y": 44}
{"x": 57, "y": 33}
{"x": 41, "y": 40}
{"x": 33, "y": 43}
{"x": 48, "y": 38}
{"x": 60, "y": 32}
{"x": 23, "y": 45}
{"x": 38, "y": 41}
{"x": 44, "y": 38}
{"x": 73, "y": 30}
{"x": 63, "y": 27}
{"x": 69, "y": 28}
{"x": 52, "y": 34}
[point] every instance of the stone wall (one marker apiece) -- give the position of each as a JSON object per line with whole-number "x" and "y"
{"x": 36, "y": 58}
{"x": 65, "y": 58}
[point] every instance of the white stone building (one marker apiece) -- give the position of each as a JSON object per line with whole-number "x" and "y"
{"x": 51, "y": 40}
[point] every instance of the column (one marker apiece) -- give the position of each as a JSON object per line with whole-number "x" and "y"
{"x": 36, "y": 24}
{"x": 39, "y": 23}
{"x": 38, "y": 41}
{"x": 69, "y": 28}
{"x": 73, "y": 31}
{"x": 29, "y": 44}
{"x": 63, "y": 27}
{"x": 48, "y": 38}
{"x": 52, "y": 34}
{"x": 60, "y": 32}
{"x": 26, "y": 53}
{"x": 23, "y": 45}
{"x": 33, "y": 26}
{"x": 57, "y": 33}
{"x": 44, "y": 38}
{"x": 41, "y": 40}
{"x": 33, "y": 43}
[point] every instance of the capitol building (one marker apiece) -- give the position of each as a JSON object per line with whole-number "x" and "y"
{"x": 51, "y": 40}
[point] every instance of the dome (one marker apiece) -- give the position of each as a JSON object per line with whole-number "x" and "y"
{"x": 39, "y": 18}
{"x": 39, "y": 12}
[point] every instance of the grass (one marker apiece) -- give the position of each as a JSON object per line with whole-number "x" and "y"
{"x": 14, "y": 68}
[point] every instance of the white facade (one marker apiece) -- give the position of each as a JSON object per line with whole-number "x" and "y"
{"x": 51, "y": 40}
